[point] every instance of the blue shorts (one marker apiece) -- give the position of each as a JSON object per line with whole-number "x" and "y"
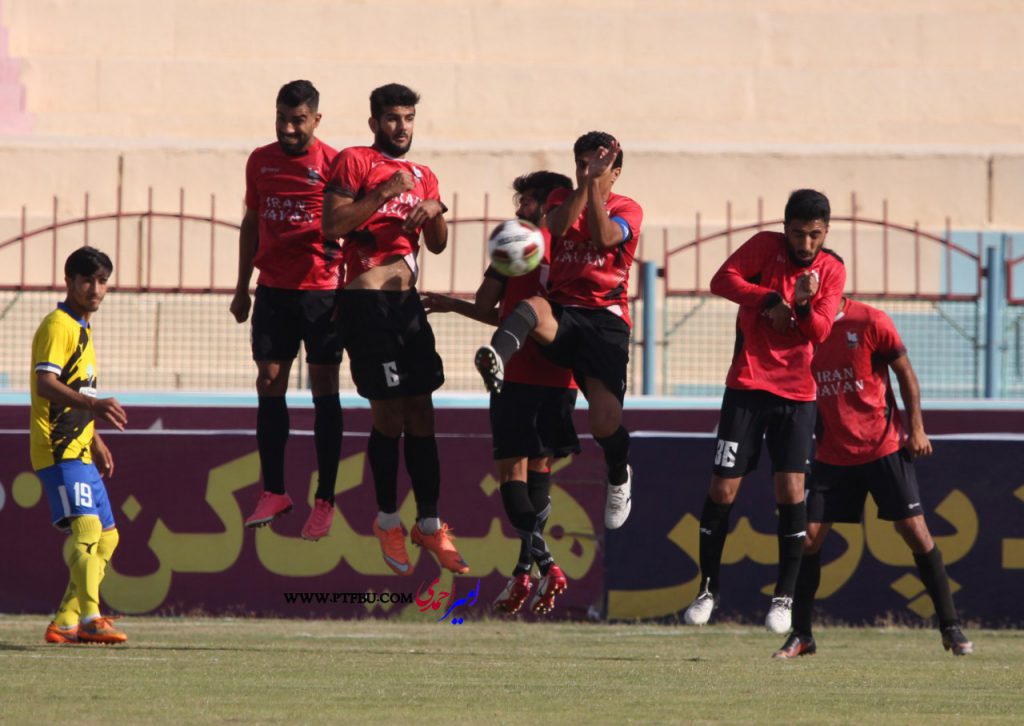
{"x": 75, "y": 489}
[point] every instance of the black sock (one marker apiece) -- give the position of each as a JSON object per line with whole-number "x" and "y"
{"x": 515, "y": 496}
{"x": 933, "y": 575}
{"x": 792, "y": 533}
{"x": 382, "y": 451}
{"x": 616, "y": 454}
{"x": 327, "y": 435}
{"x": 424, "y": 469}
{"x": 714, "y": 526}
{"x": 272, "y": 427}
{"x": 806, "y": 588}
{"x": 514, "y": 330}
{"x": 538, "y": 484}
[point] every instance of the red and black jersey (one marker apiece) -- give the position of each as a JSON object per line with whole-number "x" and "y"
{"x": 356, "y": 171}
{"x": 529, "y": 365}
{"x": 583, "y": 273}
{"x": 857, "y": 414}
{"x": 756, "y": 276}
{"x": 287, "y": 193}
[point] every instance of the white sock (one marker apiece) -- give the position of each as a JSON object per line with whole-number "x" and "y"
{"x": 88, "y": 619}
{"x": 430, "y": 525}
{"x": 386, "y": 520}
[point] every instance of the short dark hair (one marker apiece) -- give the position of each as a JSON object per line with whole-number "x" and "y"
{"x": 87, "y": 261}
{"x": 393, "y": 94}
{"x": 541, "y": 183}
{"x": 808, "y": 205}
{"x": 595, "y": 140}
{"x": 297, "y": 93}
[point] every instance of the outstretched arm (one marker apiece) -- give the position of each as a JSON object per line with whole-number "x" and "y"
{"x": 483, "y": 308}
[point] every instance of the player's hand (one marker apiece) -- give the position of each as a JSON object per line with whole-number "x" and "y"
{"x": 918, "y": 445}
{"x": 781, "y": 316}
{"x": 110, "y": 411}
{"x": 102, "y": 457}
{"x": 434, "y": 303}
{"x": 806, "y": 287}
{"x": 421, "y": 213}
{"x": 600, "y": 164}
{"x": 400, "y": 181}
{"x": 240, "y": 305}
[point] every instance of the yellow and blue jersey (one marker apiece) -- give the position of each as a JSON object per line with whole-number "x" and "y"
{"x": 62, "y": 345}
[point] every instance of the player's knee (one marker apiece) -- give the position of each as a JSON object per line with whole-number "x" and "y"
{"x": 915, "y": 533}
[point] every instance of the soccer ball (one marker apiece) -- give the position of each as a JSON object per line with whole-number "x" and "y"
{"x": 516, "y": 247}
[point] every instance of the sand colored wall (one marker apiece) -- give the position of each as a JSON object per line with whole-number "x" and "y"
{"x": 696, "y": 71}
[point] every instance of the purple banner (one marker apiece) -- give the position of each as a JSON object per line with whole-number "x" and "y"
{"x": 973, "y": 499}
{"x": 179, "y": 498}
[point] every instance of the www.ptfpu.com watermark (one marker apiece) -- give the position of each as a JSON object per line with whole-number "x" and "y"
{"x": 347, "y": 598}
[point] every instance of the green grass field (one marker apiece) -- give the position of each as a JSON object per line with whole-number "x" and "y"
{"x": 249, "y": 670}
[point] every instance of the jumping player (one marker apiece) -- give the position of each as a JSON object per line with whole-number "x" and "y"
{"x": 863, "y": 447}
{"x": 295, "y": 298}
{"x": 68, "y": 454}
{"x": 380, "y": 203}
{"x": 582, "y": 322}
{"x": 531, "y": 417}
{"x": 788, "y": 287}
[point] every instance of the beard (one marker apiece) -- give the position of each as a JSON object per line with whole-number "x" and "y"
{"x": 389, "y": 147}
{"x": 293, "y": 145}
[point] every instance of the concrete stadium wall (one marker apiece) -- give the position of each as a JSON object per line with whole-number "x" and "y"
{"x": 713, "y": 102}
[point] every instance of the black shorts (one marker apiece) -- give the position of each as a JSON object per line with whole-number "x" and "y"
{"x": 283, "y": 318}
{"x": 390, "y": 343}
{"x": 750, "y": 416}
{"x": 837, "y": 493}
{"x": 533, "y": 421}
{"x": 591, "y": 342}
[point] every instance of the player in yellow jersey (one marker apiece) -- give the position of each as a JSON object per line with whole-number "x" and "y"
{"x": 67, "y": 454}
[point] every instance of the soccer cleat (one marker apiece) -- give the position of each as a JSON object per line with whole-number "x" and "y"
{"x": 101, "y": 630}
{"x": 319, "y": 523}
{"x": 392, "y": 546}
{"x": 552, "y": 584}
{"x": 517, "y": 589}
{"x": 268, "y": 506}
{"x": 699, "y": 612}
{"x": 795, "y": 646}
{"x": 619, "y": 501}
{"x": 61, "y": 634}
{"x": 440, "y": 543}
{"x": 954, "y": 639}
{"x": 780, "y": 615}
{"x": 491, "y": 368}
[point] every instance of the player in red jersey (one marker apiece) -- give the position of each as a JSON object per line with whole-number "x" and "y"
{"x": 380, "y": 203}
{"x": 295, "y": 299}
{"x": 531, "y": 417}
{"x": 863, "y": 447}
{"x": 788, "y": 287}
{"x": 582, "y": 322}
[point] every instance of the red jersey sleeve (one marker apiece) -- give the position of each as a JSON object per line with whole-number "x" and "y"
{"x": 348, "y": 173}
{"x": 885, "y": 340}
{"x": 815, "y": 321}
{"x": 630, "y": 213}
{"x": 732, "y": 281}
{"x": 431, "y": 189}
{"x": 555, "y": 198}
{"x": 252, "y": 196}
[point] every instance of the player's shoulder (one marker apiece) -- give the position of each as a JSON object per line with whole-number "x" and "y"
{"x": 359, "y": 153}
{"x": 267, "y": 151}
{"x": 766, "y": 239}
{"x": 57, "y": 322}
{"x": 830, "y": 256}
{"x": 619, "y": 205}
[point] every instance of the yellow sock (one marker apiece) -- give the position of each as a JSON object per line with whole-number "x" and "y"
{"x": 108, "y": 543}
{"x": 86, "y": 565}
{"x": 69, "y": 612}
